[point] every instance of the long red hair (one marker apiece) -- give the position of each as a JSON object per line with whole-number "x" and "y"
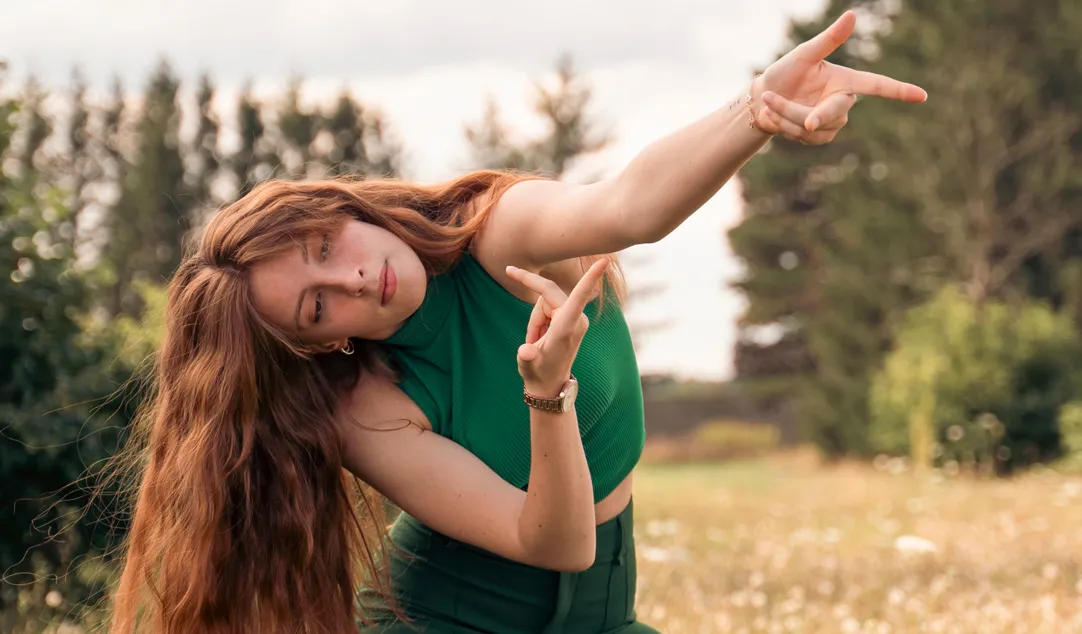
{"x": 244, "y": 518}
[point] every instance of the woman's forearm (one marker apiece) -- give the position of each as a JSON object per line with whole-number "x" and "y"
{"x": 557, "y": 525}
{"x": 676, "y": 175}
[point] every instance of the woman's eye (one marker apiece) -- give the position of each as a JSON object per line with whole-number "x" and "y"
{"x": 325, "y": 249}
{"x": 319, "y": 309}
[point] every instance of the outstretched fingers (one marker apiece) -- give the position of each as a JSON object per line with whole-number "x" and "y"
{"x": 864, "y": 83}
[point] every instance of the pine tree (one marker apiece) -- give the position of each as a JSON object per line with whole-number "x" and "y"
{"x": 34, "y": 129}
{"x": 492, "y": 147}
{"x": 571, "y": 133}
{"x": 149, "y": 222}
{"x": 80, "y": 168}
{"x": 298, "y": 128}
{"x": 256, "y": 159}
{"x": 205, "y": 159}
{"x": 359, "y": 142}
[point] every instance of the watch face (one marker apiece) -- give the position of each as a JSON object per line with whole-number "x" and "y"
{"x": 569, "y": 395}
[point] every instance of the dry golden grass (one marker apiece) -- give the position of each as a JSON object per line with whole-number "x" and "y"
{"x": 782, "y": 545}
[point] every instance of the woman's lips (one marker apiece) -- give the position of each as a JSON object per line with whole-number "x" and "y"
{"x": 388, "y": 282}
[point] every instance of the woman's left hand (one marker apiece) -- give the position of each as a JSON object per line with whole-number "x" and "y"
{"x": 807, "y": 99}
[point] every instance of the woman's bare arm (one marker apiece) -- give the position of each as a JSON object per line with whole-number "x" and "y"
{"x": 800, "y": 96}
{"x": 452, "y": 491}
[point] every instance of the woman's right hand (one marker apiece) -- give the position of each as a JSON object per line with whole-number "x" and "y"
{"x": 557, "y": 326}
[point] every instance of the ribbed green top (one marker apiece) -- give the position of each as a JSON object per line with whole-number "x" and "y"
{"x": 457, "y": 360}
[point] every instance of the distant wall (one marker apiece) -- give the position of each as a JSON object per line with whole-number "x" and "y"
{"x": 669, "y": 414}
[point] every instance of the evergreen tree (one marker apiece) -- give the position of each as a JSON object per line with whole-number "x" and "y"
{"x": 80, "y": 168}
{"x": 205, "y": 161}
{"x": 109, "y": 139}
{"x": 150, "y": 220}
{"x": 492, "y": 147}
{"x": 359, "y": 142}
{"x": 255, "y": 160}
{"x": 298, "y": 128}
{"x": 34, "y": 129}
{"x": 571, "y": 132}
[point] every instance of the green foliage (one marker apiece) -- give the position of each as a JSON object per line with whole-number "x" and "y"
{"x": 1070, "y": 429}
{"x": 840, "y": 241}
{"x": 57, "y": 420}
{"x": 720, "y": 439}
{"x": 138, "y": 338}
{"x": 734, "y": 439}
{"x": 996, "y": 376}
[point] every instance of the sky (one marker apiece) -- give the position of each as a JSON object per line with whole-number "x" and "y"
{"x": 429, "y": 65}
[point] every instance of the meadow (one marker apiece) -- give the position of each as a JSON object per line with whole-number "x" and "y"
{"x": 785, "y": 544}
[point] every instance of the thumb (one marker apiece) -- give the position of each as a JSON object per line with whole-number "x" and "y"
{"x": 527, "y": 352}
{"x": 527, "y": 355}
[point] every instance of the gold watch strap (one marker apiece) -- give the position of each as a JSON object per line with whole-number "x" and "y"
{"x": 546, "y": 404}
{"x": 543, "y": 404}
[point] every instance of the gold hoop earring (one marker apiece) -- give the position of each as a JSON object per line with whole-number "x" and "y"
{"x": 348, "y": 349}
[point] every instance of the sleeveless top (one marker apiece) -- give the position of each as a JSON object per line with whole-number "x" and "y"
{"x": 456, "y": 358}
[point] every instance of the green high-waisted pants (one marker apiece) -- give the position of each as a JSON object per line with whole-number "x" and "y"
{"x": 446, "y": 586}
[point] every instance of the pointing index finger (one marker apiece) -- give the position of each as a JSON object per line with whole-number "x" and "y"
{"x": 864, "y": 83}
{"x": 580, "y": 295}
{"x": 539, "y": 284}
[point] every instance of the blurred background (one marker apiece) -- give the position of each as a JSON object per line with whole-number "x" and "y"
{"x": 861, "y": 362}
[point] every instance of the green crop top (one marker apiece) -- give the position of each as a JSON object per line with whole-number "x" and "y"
{"x": 456, "y": 357}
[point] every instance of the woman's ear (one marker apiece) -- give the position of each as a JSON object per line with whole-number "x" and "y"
{"x": 332, "y": 346}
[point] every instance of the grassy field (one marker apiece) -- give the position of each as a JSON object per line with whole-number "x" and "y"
{"x": 782, "y": 545}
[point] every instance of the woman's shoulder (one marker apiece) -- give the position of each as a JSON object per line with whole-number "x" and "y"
{"x": 495, "y": 257}
{"x": 377, "y": 403}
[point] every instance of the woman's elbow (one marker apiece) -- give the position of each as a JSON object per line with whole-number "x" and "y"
{"x": 580, "y": 564}
{"x": 574, "y": 559}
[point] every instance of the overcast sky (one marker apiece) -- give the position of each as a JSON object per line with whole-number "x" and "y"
{"x": 429, "y": 65}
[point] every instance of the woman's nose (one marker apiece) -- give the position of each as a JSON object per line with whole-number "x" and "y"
{"x": 353, "y": 282}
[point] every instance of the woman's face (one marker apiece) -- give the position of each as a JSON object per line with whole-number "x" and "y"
{"x": 362, "y": 281}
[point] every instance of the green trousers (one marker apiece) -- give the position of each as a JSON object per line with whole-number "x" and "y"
{"x": 445, "y": 586}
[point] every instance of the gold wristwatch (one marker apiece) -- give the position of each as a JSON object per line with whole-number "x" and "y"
{"x": 562, "y": 403}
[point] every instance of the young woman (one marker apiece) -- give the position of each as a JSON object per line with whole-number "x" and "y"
{"x": 434, "y": 342}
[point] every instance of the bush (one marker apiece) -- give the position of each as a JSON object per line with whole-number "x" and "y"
{"x": 988, "y": 381}
{"x": 737, "y": 439}
{"x": 1070, "y": 429}
{"x": 717, "y": 440}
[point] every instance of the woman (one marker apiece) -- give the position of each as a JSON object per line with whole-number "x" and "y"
{"x": 372, "y": 326}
